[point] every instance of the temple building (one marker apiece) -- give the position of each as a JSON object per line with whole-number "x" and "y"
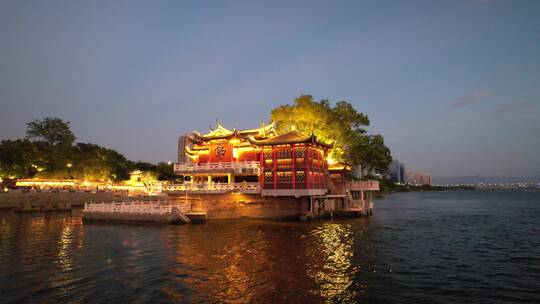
{"x": 260, "y": 173}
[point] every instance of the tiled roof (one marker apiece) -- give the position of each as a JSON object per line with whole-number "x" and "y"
{"x": 291, "y": 137}
{"x": 221, "y": 132}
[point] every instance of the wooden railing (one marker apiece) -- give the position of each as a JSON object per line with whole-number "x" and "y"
{"x": 148, "y": 207}
{"x": 237, "y": 167}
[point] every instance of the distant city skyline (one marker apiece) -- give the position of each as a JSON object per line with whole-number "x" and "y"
{"x": 452, "y": 86}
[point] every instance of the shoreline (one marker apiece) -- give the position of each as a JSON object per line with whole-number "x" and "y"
{"x": 383, "y": 194}
{"x": 389, "y": 187}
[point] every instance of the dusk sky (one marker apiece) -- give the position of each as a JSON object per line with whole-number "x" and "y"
{"x": 453, "y": 86}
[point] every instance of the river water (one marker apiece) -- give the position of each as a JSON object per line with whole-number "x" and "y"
{"x": 446, "y": 247}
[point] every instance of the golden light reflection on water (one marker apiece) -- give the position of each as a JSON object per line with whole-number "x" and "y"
{"x": 41, "y": 249}
{"x": 5, "y": 231}
{"x": 219, "y": 262}
{"x": 242, "y": 262}
{"x": 223, "y": 266}
{"x": 235, "y": 278}
{"x": 332, "y": 271}
{"x": 63, "y": 258}
{"x": 69, "y": 243}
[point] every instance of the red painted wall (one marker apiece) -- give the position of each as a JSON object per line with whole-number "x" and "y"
{"x": 203, "y": 158}
{"x": 220, "y": 152}
{"x": 249, "y": 155}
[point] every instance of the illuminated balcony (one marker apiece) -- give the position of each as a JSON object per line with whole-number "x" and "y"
{"x": 213, "y": 188}
{"x": 252, "y": 167}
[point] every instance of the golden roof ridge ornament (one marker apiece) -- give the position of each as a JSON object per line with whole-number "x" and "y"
{"x": 262, "y": 131}
{"x": 217, "y": 126}
{"x": 219, "y": 130}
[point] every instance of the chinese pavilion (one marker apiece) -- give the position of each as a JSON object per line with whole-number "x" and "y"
{"x": 291, "y": 164}
{"x": 260, "y": 173}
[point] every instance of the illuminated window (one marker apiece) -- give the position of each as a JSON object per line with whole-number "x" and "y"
{"x": 300, "y": 176}
{"x": 300, "y": 152}
{"x": 284, "y": 153}
{"x": 284, "y": 163}
{"x": 284, "y": 177}
{"x": 268, "y": 177}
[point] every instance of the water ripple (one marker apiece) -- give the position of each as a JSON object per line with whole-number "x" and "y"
{"x": 430, "y": 248}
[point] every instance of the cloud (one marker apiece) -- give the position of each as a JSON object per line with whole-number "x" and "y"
{"x": 470, "y": 99}
{"x": 513, "y": 106}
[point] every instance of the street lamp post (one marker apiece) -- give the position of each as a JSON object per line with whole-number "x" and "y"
{"x": 69, "y": 165}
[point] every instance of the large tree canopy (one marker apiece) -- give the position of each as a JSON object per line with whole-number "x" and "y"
{"x": 341, "y": 124}
{"x": 53, "y": 155}
{"x": 53, "y": 130}
{"x": 94, "y": 162}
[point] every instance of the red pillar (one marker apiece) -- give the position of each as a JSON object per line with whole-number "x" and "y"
{"x": 293, "y": 165}
{"x": 319, "y": 165}
{"x": 307, "y": 166}
{"x": 261, "y": 174}
{"x": 324, "y": 167}
{"x": 275, "y": 166}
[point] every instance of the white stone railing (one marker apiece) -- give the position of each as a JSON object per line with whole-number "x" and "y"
{"x": 214, "y": 187}
{"x": 364, "y": 185}
{"x": 245, "y": 187}
{"x": 237, "y": 167}
{"x": 148, "y": 207}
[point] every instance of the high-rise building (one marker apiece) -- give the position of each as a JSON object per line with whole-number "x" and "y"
{"x": 183, "y": 143}
{"x": 418, "y": 178}
{"x": 397, "y": 172}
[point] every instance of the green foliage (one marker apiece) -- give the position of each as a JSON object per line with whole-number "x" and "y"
{"x": 23, "y": 159}
{"x": 53, "y": 140}
{"x": 18, "y": 158}
{"x": 371, "y": 151}
{"x": 165, "y": 171}
{"x": 148, "y": 179}
{"x": 93, "y": 162}
{"x": 341, "y": 125}
{"x": 56, "y": 157}
{"x": 144, "y": 166}
{"x": 52, "y": 130}
{"x": 388, "y": 186}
